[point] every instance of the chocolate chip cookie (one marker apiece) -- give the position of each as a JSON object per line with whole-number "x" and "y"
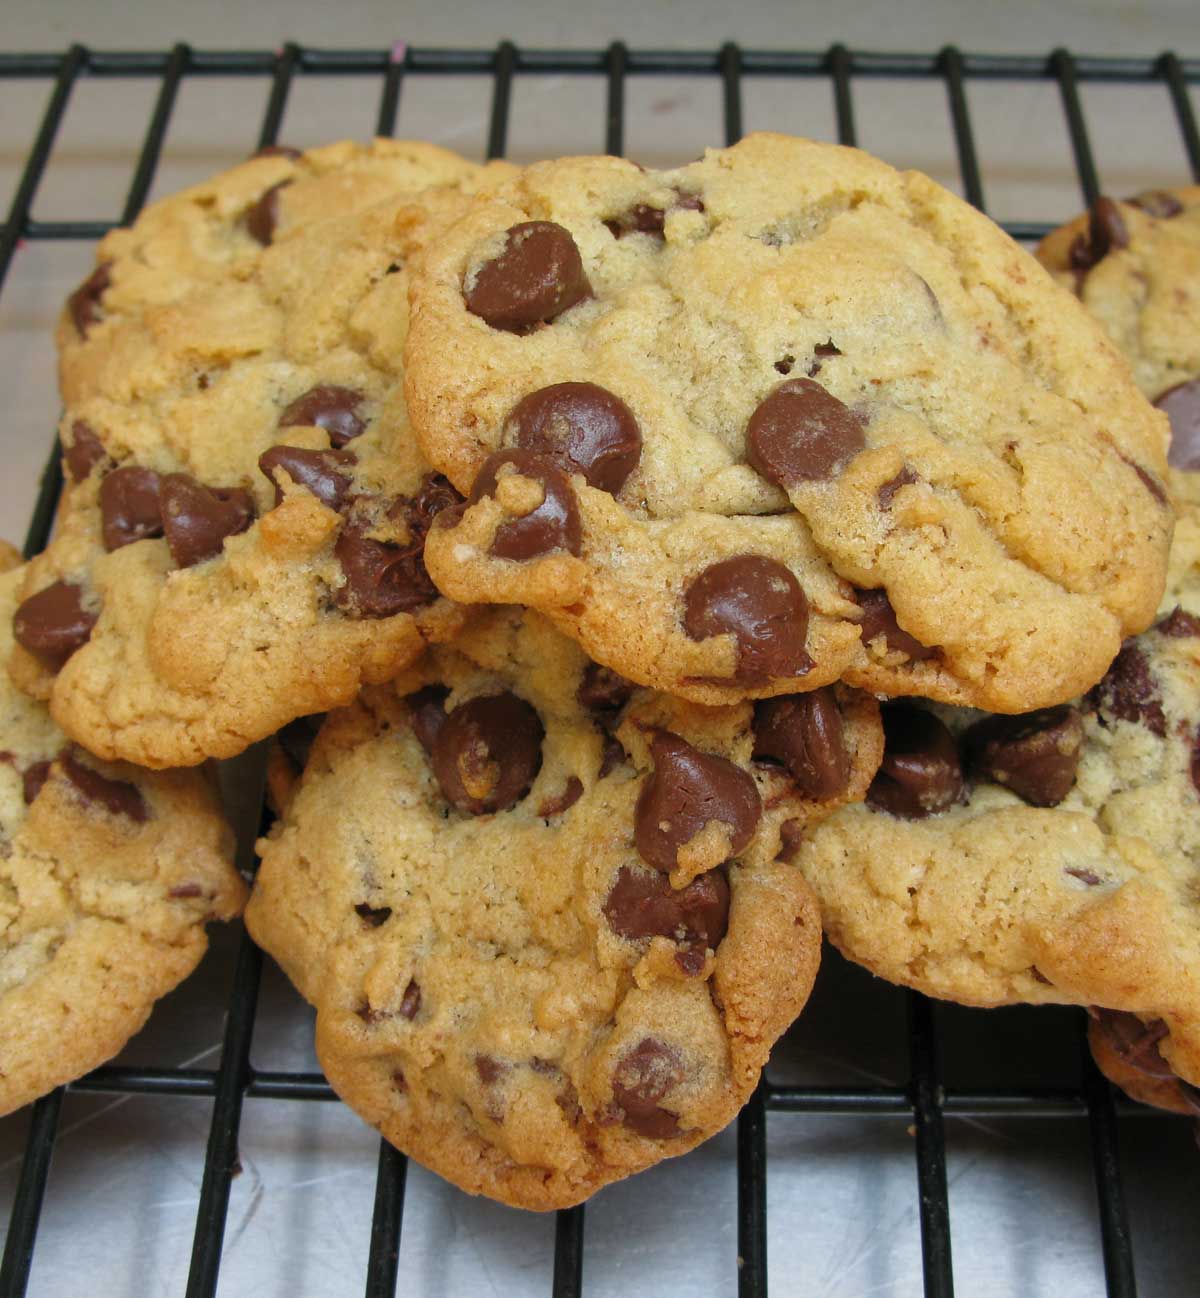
{"x": 1046, "y": 858}
{"x": 780, "y": 417}
{"x": 1135, "y": 265}
{"x": 108, "y": 875}
{"x": 543, "y": 913}
{"x": 241, "y": 540}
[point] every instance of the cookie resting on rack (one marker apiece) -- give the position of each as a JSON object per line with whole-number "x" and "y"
{"x": 543, "y": 914}
{"x": 108, "y": 876}
{"x": 241, "y": 539}
{"x": 780, "y": 417}
{"x": 1052, "y": 858}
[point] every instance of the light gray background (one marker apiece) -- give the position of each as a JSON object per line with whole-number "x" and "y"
{"x": 842, "y": 1193}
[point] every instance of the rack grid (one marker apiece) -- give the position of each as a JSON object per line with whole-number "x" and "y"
{"x": 924, "y": 1101}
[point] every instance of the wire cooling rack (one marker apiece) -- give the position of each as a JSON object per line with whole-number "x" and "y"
{"x": 923, "y": 1102}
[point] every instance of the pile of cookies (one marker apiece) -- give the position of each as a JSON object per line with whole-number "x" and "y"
{"x": 689, "y": 563}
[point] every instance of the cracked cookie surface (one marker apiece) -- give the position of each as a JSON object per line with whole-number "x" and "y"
{"x": 243, "y": 530}
{"x": 543, "y": 914}
{"x": 780, "y": 417}
{"x": 108, "y": 876}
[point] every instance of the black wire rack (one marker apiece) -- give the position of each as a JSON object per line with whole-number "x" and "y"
{"x": 924, "y": 1102}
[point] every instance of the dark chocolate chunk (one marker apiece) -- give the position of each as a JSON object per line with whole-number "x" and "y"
{"x": 1129, "y": 692}
{"x": 887, "y": 492}
{"x": 84, "y": 452}
{"x": 320, "y": 472}
{"x": 642, "y": 903}
{"x": 1133, "y": 1041}
{"x": 603, "y": 690}
{"x": 263, "y": 215}
{"x": 32, "y": 779}
{"x": 410, "y": 1002}
{"x": 1106, "y": 231}
{"x": 330, "y": 407}
{"x": 373, "y": 916}
{"x": 581, "y": 427}
{"x": 84, "y": 303}
{"x": 805, "y": 733}
{"x": 879, "y": 619}
{"x": 921, "y": 774}
{"x": 643, "y": 1077}
{"x": 129, "y": 506}
{"x": 116, "y": 796}
{"x": 54, "y": 623}
{"x": 821, "y": 353}
{"x": 802, "y": 433}
{"x": 487, "y": 753}
{"x": 1179, "y": 625}
{"x": 427, "y": 714}
{"x": 537, "y": 276}
{"x": 552, "y": 525}
{"x": 564, "y": 801}
{"x": 197, "y": 519}
{"x": 1035, "y": 755}
{"x": 686, "y": 791}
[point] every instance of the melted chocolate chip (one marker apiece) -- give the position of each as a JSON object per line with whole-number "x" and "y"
{"x": 603, "y": 690}
{"x": 1035, "y": 755}
{"x": 879, "y": 619}
{"x": 887, "y": 493}
{"x": 329, "y": 407}
{"x": 32, "y": 779}
{"x": 410, "y": 1002}
{"x": 490, "y": 1069}
{"x": 642, "y": 1078}
{"x": 1179, "y": 625}
{"x": 373, "y": 916}
{"x": 805, "y": 733}
{"x": 581, "y": 427}
{"x": 552, "y": 525}
{"x": 316, "y": 471}
{"x": 538, "y": 275}
{"x": 85, "y": 451}
{"x": 1158, "y": 203}
{"x": 821, "y": 352}
{"x": 686, "y": 791}
{"x": 642, "y": 903}
{"x": 801, "y": 433}
{"x": 129, "y": 506}
{"x": 487, "y": 753}
{"x": 84, "y": 303}
{"x": 564, "y": 801}
{"x": 1133, "y": 1041}
{"x": 921, "y": 774}
{"x": 1106, "y": 231}
{"x": 1129, "y": 691}
{"x": 263, "y": 215}
{"x": 760, "y": 603}
{"x": 427, "y": 714}
{"x": 116, "y": 796}
{"x": 1181, "y": 405}
{"x": 53, "y": 623}
{"x": 197, "y": 519}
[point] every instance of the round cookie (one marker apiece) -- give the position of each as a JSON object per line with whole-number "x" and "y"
{"x": 241, "y": 543}
{"x": 779, "y": 417}
{"x": 108, "y": 876}
{"x": 1052, "y": 858}
{"x": 544, "y": 916}
{"x": 1135, "y": 265}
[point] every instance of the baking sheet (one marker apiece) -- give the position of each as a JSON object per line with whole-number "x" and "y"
{"x": 843, "y": 1219}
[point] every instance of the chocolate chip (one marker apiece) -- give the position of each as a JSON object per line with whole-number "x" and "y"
{"x": 640, "y": 219}
{"x": 129, "y": 506}
{"x": 879, "y": 619}
{"x": 330, "y": 407}
{"x": 642, "y": 903}
{"x": 197, "y": 519}
{"x": 1035, "y": 755}
{"x": 316, "y": 471}
{"x": 487, "y": 753}
{"x": 687, "y": 791}
{"x": 263, "y": 215}
{"x": 490, "y": 1069}
{"x": 1179, "y": 625}
{"x": 84, "y": 303}
{"x": 801, "y": 433}
{"x": 117, "y": 796}
{"x": 373, "y": 916}
{"x": 805, "y": 733}
{"x": 690, "y": 960}
{"x": 564, "y": 801}
{"x": 641, "y": 1079}
{"x": 614, "y": 754}
{"x": 1106, "y": 231}
{"x": 1133, "y": 1041}
{"x": 581, "y": 427}
{"x": 427, "y": 714}
{"x": 785, "y": 363}
{"x": 887, "y": 493}
{"x": 791, "y": 835}
{"x": 54, "y": 623}
{"x": 32, "y": 779}
{"x": 85, "y": 451}
{"x": 185, "y": 892}
{"x": 603, "y": 690}
{"x": 921, "y": 774}
{"x": 538, "y": 275}
{"x": 1129, "y": 692}
{"x": 760, "y": 603}
{"x": 1181, "y": 405}
{"x": 821, "y": 352}
{"x": 277, "y": 151}
{"x": 410, "y": 1002}
{"x": 552, "y": 525}
{"x": 1158, "y": 203}
{"x": 1090, "y": 877}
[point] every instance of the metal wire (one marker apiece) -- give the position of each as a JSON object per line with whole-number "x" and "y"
{"x": 923, "y": 1102}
